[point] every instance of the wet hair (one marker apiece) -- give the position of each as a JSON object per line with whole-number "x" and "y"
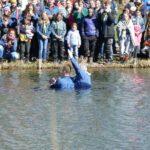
{"x": 66, "y": 68}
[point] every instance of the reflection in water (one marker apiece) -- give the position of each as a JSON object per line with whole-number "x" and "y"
{"x": 53, "y": 124}
{"x": 114, "y": 114}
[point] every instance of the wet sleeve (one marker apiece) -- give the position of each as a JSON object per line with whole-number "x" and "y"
{"x": 76, "y": 67}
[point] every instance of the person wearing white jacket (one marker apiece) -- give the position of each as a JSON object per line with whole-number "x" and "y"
{"x": 74, "y": 40}
{"x": 126, "y": 34}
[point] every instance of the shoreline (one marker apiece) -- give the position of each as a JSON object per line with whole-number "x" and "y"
{"x": 141, "y": 63}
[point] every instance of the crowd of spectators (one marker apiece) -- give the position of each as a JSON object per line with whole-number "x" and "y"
{"x": 92, "y": 29}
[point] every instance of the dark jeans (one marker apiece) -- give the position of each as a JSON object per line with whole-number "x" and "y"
{"x": 25, "y": 50}
{"x": 108, "y": 48}
{"x": 89, "y": 44}
{"x": 58, "y": 49}
{"x": 136, "y": 51}
{"x": 99, "y": 51}
{"x": 34, "y": 46}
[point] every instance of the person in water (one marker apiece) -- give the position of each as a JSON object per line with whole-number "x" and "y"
{"x": 65, "y": 81}
{"x": 82, "y": 79}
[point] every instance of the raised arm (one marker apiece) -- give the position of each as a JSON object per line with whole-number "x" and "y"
{"x": 75, "y": 64}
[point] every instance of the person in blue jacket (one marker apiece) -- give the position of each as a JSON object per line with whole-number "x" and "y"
{"x": 63, "y": 82}
{"x": 6, "y": 22}
{"x": 51, "y": 9}
{"x": 82, "y": 79}
{"x": 43, "y": 32}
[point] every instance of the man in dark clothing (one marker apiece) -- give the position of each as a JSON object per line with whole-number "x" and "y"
{"x": 106, "y": 29}
{"x": 89, "y": 34}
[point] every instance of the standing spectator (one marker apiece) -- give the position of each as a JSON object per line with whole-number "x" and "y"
{"x": 15, "y": 13}
{"x": 6, "y": 22}
{"x": 51, "y": 9}
{"x": 79, "y": 13}
{"x": 89, "y": 34}
{"x": 8, "y": 46}
{"x": 139, "y": 27}
{"x": 38, "y": 5}
{"x": 146, "y": 7}
{"x": 43, "y": 31}
{"x": 69, "y": 7}
{"x": 25, "y": 37}
{"x": 97, "y": 7}
{"x": 58, "y": 34}
{"x": 74, "y": 40}
{"x": 106, "y": 27}
{"x": 92, "y": 4}
{"x": 126, "y": 35}
{"x": 31, "y": 12}
{"x": 5, "y": 3}
{"x": 13, "y": 9}
{"x": 146, "y": 48}
{"x": 62, "y": 7}
{"x": 70, "y": 18}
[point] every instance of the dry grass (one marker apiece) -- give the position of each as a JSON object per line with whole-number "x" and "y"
{"x": 50, "y": 65}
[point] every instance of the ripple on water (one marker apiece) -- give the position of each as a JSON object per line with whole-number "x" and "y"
{"x": 114, "y": 114}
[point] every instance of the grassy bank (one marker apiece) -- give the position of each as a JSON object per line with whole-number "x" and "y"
{"x": 50, "y": 65}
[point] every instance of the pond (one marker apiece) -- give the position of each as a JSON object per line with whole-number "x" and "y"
{"x": 113, "y": 115}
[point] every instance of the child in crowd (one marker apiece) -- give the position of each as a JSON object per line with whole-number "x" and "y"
{"x": 146, "y": 49}
{"x": 74, "y": 40}
{"x": 26, "y": 34}
{"x": 8, "y": 46}
{"x": 139, "y": 27}
{"x": 43, "y": 31}
{"x": 58, "y": 35}
{"x": 126, "y": 35}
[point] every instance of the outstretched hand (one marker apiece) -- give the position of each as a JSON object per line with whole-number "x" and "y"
{"x": 52, "y": 81}
{"x": 70, "y": 54}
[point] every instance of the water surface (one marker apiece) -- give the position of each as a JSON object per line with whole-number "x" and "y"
{"x": 113, "y": 115}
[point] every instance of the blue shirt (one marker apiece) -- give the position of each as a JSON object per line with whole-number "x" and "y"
{"x": 65, "y": 82}
{"x": 82, "y": 80}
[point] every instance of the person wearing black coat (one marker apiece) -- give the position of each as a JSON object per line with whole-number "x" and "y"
{"x": 106, "y": 21}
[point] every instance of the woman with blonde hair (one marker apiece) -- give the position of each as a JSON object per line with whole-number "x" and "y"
{"x": 43, "y": 31}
